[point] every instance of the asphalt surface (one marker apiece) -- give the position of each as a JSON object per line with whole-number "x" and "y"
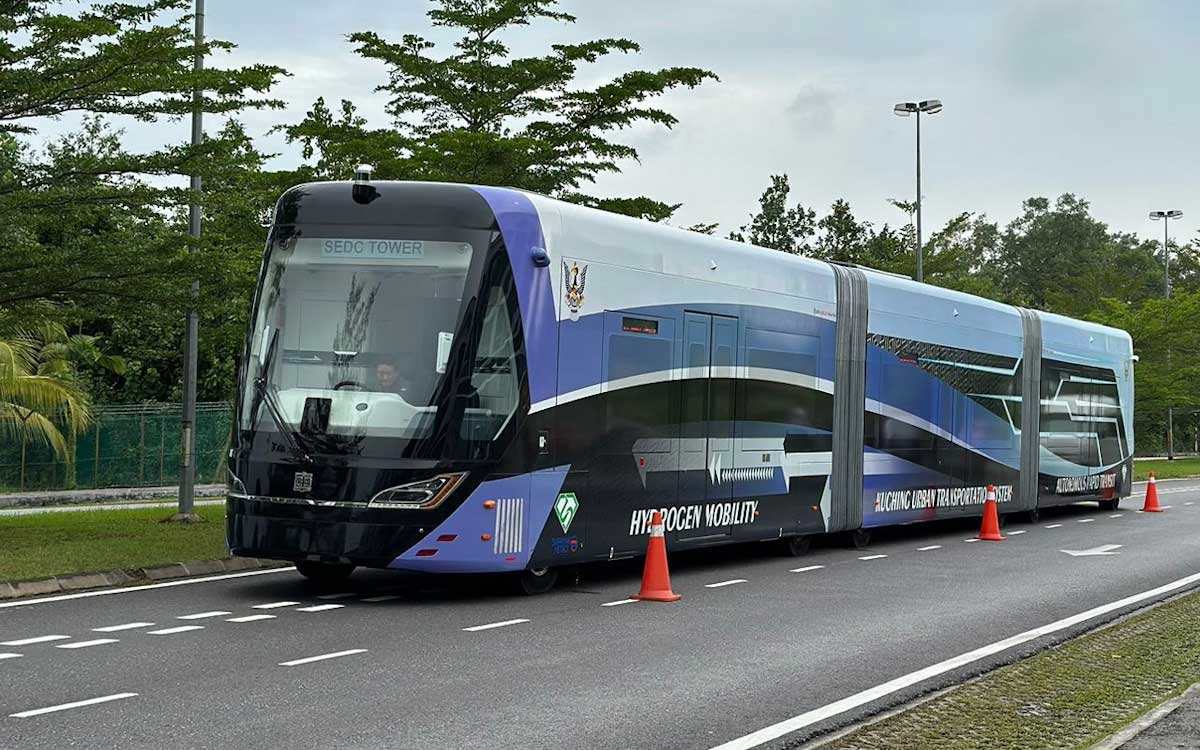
{"x": 726, "y": 661}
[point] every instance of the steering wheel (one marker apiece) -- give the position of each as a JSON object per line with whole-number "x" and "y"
{"x": 355, "y": 383}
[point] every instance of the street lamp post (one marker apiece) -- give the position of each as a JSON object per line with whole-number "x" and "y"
{"x": 904, "y": 109}
{"x": 1166, "y": 217}
{"x": 187, "y": 448}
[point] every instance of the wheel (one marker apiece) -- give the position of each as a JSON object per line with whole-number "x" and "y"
{"x": 1033, "y": 516}
{"x": 797, "y": 546}
{"x": 326, "y": 573}
{"x": 1111, "y": 504}
{"x": 860, "y": 538}
{"x": 536, "y": 581}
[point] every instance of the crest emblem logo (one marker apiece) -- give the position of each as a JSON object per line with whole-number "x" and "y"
{"x": 565, "y": 508}
{"x": 302, "y": 482}
{"x": 575, "y": 281}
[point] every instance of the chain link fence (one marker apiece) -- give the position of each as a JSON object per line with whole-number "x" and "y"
{"x": 131, "y": 445}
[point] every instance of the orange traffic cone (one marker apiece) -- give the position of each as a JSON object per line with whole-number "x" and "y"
{"x": 656, "y": 579}
{"x": 990, "y": 530}
{"x": 1151, "y": 505}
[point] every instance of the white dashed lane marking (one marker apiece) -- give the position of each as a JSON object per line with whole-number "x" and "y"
{"x": 320, "y": 608}
{"x": 37, "y": 639}
{"x": 322, "y": 657}
{"x": 204, "y": 615}
{"x": 1054, "y": 526}
{"x": 1116, "y": 515}
{"x": 251, "y": 618}
{"x": 618, "y": 602}
{"x": 872, "y": 557}
{"x": 1086, "y": 520}
{"x": 86, "y": 644}
{"x": 719, "y": 584}
{"x": 929, "y": 548}
{"x": 11, "y": 656}
{"x": 275, "y": 605}
{"x": 177, "y": 629}
{"x": 68, "y": 706}
{"x": 126, "y": 626}
{"x": 972, "y": 539}
{"x": 1017, "y": 532}
{"x": 491, "y": 625}
{"x": 807, "y": 568}
{"x": 376, "y": 599}
{"x": 343, "y": 595}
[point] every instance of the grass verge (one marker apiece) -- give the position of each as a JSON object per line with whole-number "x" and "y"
{"x": 1067, "y": 697}
{"x": 1164, "y": 469}
{"x": 51, "y": 544}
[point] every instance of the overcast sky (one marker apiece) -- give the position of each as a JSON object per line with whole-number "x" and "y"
{"x": 1096, "y": 98}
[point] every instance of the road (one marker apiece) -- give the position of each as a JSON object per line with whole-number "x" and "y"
{"x": 231, "y": 662}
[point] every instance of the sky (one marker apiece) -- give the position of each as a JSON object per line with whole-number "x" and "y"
{"x": 1041, "y": 98}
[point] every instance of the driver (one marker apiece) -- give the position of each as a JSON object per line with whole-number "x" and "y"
{"x": 389, "y": 380}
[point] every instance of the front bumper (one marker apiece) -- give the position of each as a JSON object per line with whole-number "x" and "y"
{"x": 289, "y": 530}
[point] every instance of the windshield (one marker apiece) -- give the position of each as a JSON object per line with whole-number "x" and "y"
{"x": 355, "y": 338}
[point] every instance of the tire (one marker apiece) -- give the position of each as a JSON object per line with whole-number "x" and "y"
{"x": 536, "y": 581}
{"x": 324, "y": 573}
{"x": 860, "y": 538}
{"x": 1112, "y": 504}
{"x": 1033, "y": 516}
{"x": 797, "y": 546}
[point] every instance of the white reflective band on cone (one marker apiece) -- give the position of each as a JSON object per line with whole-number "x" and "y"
{"x": 991, "y": 492}
{"x": 656, "y": 530}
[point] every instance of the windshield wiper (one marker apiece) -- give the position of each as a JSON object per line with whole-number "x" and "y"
{"x": 264, "y": 394}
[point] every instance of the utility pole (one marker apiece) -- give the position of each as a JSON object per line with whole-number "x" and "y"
{"x": 187, "y": 443}
{"x": 904, "y": 109}
{"x": 1166, "y": 217}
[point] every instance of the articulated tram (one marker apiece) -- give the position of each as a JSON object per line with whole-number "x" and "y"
{"x": 459, "y": 379}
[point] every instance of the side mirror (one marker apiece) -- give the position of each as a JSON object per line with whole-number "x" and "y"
{"x": 540, "y": 257}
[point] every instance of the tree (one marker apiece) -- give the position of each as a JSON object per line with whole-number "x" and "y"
{"x": 842, "y": 237}
{"x": 775, "y": 225}
{"x": 38, "y": 398}
{"x": 481, "y": 115}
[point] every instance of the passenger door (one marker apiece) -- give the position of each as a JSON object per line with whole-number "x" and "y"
{"x": 707, "y": 413}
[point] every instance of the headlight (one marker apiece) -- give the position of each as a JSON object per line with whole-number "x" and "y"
{"x": 422, "y": 495}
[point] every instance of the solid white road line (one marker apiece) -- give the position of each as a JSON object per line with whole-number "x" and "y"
{"x": 1086, "y": 520}
{"x": 322, "y": 657}
{"x": 251, "y": 618}
{"x": 11, "y": 656}
{"x": 275, "y": 605}
{"x": 807, "y": 719}
{"x": 68, "y": 706}
{"x": 1018, "y": 531}
{"x": 929, "y": 547}
{"x": 147, "y": 587}
{"x": 619, "y": 602}
{"x": 1054, "y": 526}
{"x": 320, "y": 608}
{"x": 126, "y": 626}
{"x": 343, "y": 595}
{"x": 806, "y": 568}
{"x": 491, "y": 625}
{"x": 38, "y": 639}
{"x": 85, "y": 644}
{"x": 376, "y": 599}
{"x": 872, "y": 557}
{"x": 719, "y": 584}
{"x": 204, "y": 615}
{"x": 176, "y": 629}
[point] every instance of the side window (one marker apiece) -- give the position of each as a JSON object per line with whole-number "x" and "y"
{"x": 495, "y": 376}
